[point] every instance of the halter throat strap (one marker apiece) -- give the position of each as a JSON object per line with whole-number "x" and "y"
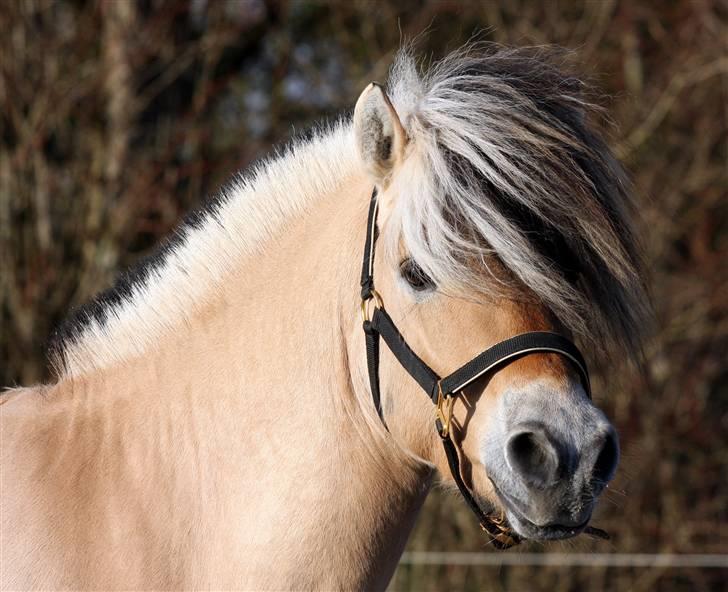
{"x": 442, "y": 391}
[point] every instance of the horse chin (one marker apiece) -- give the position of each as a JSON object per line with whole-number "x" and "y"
{"x": 519, "y": 523}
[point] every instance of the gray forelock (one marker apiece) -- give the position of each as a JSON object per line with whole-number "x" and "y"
{"x": 516, "y": 177}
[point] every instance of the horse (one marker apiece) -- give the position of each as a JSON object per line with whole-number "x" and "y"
{"x": 211, "y": 421}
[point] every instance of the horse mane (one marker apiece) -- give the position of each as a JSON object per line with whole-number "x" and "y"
{"x": 507, "y": 173}
{"x": 180, "y": 276}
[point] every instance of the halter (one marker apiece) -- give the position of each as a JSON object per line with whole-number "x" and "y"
{"x": 442, "y": 391}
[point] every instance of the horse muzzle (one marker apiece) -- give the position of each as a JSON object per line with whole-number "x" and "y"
{"x": 550, "y": 463}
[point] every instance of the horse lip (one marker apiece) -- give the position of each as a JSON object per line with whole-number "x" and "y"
{"x": 554, "y": 532}
{"x": 529, "y": 530}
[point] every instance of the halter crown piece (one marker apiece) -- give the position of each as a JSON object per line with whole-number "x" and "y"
{"x": 442, "y": 391}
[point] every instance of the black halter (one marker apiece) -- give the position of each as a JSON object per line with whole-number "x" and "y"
{"x": 443, "y": 391}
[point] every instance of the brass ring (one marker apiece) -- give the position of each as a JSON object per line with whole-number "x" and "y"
{"x": 443, "y": 410}
{"x": 378, "y": 303}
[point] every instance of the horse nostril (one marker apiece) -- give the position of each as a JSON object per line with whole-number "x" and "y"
{"x": 531, "y": 455}
{"x": 606, "y": 463}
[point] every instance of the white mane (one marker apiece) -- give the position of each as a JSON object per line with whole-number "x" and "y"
{"x": 250, "y": 209}
{"x": 505, "y": 170}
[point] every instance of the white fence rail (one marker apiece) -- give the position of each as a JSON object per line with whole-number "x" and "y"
{"x": 719, "y": 561}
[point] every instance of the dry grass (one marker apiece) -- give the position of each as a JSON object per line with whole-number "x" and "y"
{"x": 117, "y": 117}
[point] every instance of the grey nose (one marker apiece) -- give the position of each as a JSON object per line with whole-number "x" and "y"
{"x": 541, "y": 460}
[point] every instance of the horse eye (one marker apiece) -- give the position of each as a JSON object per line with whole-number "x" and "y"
{"x": 414, "y": 276}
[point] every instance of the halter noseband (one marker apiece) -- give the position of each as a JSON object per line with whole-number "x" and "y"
{"x": 442, "y": 391}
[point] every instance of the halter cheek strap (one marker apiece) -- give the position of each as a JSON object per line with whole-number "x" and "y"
{"x": 442, "y": 391}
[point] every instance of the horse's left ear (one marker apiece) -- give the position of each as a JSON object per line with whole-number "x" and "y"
{"x": 380, "y": 136}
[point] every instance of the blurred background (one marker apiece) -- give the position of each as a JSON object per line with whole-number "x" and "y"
{"x": 117, "y": 117}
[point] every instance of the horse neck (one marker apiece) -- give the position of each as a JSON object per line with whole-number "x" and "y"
{"x": 360, "y": 489}
{"x": 259, "y": 382}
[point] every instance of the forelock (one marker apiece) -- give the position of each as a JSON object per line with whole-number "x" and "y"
{"x": 505, "y": 169}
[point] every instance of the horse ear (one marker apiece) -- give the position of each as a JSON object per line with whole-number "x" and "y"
{"x": 379, "y": 134}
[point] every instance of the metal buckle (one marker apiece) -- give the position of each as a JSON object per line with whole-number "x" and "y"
{"x": 378, "y": 303}
{"x": 443, "y": 411}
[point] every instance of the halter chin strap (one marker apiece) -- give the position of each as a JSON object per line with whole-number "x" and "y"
{"x": 442, "y": 391}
